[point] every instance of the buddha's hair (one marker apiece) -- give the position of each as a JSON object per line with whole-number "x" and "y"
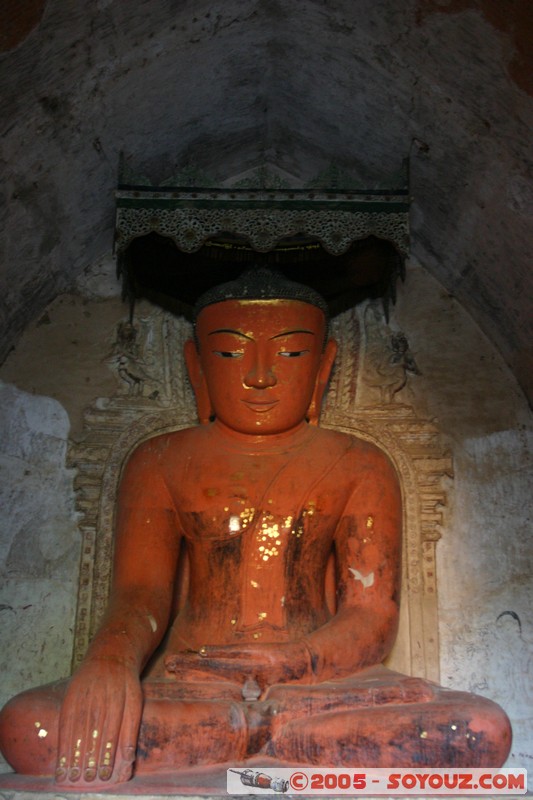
{"x": 260, "y": 283}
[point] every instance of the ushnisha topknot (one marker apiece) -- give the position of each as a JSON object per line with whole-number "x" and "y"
{"x": 260, "y": 283}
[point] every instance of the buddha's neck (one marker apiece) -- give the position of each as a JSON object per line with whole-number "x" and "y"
{"x": 268, "y": 443}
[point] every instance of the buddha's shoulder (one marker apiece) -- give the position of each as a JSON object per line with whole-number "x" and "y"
{"x": 162, "y": 445}
{"x": 352, "y": 448}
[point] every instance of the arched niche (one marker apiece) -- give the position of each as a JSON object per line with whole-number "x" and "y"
{"x": 173, "y": 243}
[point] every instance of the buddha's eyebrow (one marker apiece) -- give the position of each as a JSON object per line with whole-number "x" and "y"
{"x": 288, "y": 333}
{"x": 230, "y": 330}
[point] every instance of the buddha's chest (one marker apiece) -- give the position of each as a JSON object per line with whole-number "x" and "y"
{"x": 268, "y": 499}
{"x": 258, "y": 529}
{"x": 269, "y": 564}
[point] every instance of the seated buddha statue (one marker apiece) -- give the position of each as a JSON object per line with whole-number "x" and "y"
{"x": 292, "y": 536}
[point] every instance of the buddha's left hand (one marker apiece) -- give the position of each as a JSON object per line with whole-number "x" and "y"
{"x": 267, "y": 663}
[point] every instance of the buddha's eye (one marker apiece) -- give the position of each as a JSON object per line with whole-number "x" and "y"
{"x": 292, "y": 353}
{"x": 228, "y": 353}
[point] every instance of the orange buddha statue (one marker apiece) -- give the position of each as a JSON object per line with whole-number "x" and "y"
{"x": 293, "y": 538}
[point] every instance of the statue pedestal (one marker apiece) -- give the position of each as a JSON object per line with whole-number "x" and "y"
{"x": 16, "y": 787}
{"x": 204, "y": 783}
{"x": 199, "y": 782}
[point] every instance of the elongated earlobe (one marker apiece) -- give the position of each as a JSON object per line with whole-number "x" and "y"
{"x": 326, "y": 365}
{"x": 198, "y": 382}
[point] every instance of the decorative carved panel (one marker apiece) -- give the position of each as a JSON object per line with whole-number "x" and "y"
{"x": 182, "y": 218}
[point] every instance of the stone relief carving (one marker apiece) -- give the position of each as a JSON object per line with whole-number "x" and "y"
{"x": 134, "y": 371}
{"x": 389, "y": 361}
{"x": 153, "y": 395}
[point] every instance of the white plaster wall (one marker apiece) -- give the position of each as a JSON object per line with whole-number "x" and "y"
{"x": 39, "y": 542}
{"x": 485, "y": 554}
{"x": 485, "y": 568}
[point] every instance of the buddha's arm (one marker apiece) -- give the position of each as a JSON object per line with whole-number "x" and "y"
{"x": 368, "y": 560}
{"x": 101, "y": 712}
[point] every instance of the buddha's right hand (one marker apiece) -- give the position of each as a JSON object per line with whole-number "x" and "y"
{"x": 99, "y": 724}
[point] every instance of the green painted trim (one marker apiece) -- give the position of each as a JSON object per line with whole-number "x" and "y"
{"x": 351, "y": 206}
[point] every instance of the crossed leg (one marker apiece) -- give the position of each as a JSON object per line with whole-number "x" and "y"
{"x": 382, "y": 719}
{"x": 175, "y": 732}
{"x": 374, "y": 719}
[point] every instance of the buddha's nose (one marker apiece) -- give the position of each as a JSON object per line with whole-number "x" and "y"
{"x": 260, "y": 375}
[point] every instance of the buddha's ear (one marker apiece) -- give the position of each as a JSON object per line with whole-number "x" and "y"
{"x": 198, "y": 382}
{"x": 322, "y": 378}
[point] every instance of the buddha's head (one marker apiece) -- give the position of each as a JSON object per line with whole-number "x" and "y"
{"x": 261, "y": 358}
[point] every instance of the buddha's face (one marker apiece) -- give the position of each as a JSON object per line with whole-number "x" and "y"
{"x": 261, "y": 361}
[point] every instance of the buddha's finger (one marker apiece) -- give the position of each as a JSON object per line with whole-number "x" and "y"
{"x": 64, "y": 736}
{"x": 70, "y": 760}
{"x": 107, "y": 758}
{"x": 129, "y": 734}
{"x": 63, "y": 762}
{"x": 93, "y": 735}
{"x": 109, "y": 738}
{"x": 71, "y": 734}
{"x": 82, "y": 743}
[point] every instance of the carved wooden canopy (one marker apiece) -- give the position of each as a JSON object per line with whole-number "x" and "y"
{"x": 178, "y": 237}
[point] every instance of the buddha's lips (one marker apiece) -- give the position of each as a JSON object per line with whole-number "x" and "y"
{"x": 260, "y": 405}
